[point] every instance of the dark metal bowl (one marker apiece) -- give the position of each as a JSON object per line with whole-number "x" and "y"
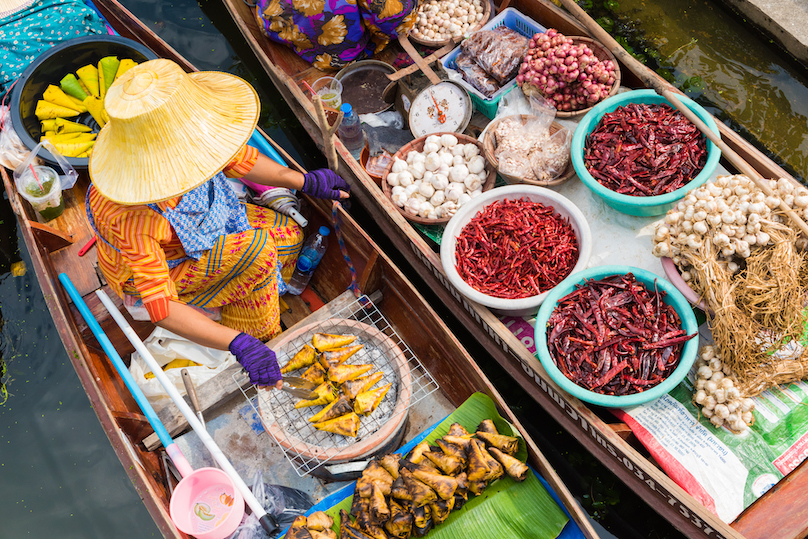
{"x": 49, "y": 68}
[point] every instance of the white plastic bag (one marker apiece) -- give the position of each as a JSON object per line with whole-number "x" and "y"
{"x": 166, "y": 346}
{"x": 12, "y": 151}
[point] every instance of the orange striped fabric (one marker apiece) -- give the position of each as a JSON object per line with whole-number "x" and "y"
{"x": 146, "y": 242}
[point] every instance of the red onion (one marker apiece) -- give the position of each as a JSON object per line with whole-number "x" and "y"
{"x": 569, "y": 74}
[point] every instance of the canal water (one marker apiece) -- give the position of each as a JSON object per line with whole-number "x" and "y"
{"x": 58, "y": 473}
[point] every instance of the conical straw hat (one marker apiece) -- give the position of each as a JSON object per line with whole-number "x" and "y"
{"x": 9, "y": 7}
{"x": 169, "y": 131}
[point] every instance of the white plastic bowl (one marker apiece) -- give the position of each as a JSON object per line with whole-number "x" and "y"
{"x": 514, "y": 307}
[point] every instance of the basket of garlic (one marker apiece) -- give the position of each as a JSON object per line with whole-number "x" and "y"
{"x": 432, "y": 176}
{"x": 745, "y": 261}
{"x": 440, "y": 22}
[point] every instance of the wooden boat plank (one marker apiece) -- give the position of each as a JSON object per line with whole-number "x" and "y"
{"x": 782, "y": 508}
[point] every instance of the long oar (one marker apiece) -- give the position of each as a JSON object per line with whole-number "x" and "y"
{"x": 267, "y": 521}
{"x": 173, "y": 451}
{"x": 666, "y": 90}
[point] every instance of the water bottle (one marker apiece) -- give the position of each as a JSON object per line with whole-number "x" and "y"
{"x": 350, "y": 131}
{"x": 313, "y": 250}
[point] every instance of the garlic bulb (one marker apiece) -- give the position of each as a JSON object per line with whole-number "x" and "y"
{"x": 716, "y": 394}
{"x": 399, "y": 165}
{"x": 448, "y": 141}
{"x": 477, "y": 164}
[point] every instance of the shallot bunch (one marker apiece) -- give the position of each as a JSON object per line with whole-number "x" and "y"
{"x": 571, "y": 75}
{"x": 721, "y": 402}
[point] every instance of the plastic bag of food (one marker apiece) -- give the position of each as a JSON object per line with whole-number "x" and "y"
{"x": 12, "y": 151}
{"x": 475, "y": 75}
{"x": 499, "y": 51}
{"x": 550, "y": 159}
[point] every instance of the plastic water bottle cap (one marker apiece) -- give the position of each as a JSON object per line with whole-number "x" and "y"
{"x": 346, "y": 109}
{"x": 324, "y": 231}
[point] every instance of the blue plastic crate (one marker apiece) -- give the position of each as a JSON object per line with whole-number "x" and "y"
{"x": 514, "y": 20}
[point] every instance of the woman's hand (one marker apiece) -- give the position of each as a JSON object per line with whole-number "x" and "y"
{"x": 258, "y": 360}
{"x": 324, "y": 183}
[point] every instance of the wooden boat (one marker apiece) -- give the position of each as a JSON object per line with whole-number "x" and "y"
{"x": 54, "y": 248}
{"x": 772, "y": 515}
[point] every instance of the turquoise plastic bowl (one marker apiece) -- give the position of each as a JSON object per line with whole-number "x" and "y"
{"x": 673, "y": 297}
{"x": 644, "y": 206}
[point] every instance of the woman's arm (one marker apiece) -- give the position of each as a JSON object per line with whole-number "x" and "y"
{"x": 321, "y": 183}
{"x": 187, "y": 322}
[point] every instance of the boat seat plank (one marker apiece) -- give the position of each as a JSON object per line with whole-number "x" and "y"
{"x": 220, "y": 389}
{"x": 50, "y": 238}
{"x": 136, "y": 426}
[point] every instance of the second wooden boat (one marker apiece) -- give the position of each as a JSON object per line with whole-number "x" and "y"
{"x": 773, "y": 515}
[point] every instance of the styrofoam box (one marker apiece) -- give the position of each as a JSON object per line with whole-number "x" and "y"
{"x": 514, "y": 20}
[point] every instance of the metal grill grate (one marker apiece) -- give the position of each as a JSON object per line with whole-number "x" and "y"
{"x": 308, "y": 448}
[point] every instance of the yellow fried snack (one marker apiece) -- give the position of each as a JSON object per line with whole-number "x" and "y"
{"x": 352, "y": 388}
{"x": 367, "y": 401}
{"x": 329, "y": 358}
{"x": 88, "y": 75}
{"x": 96, "y": 107}
{"x": 326, "y": 341}
{"x": 54, "y": 94}
{"x": 325, "y": 393}
{"x": 74, "y": 149}
{"x": 343, "y": 373}
{"x": 347, "y": 425}
{"x": 337, "y": 408}
{"x": 303, "y": 358}
{"x": 66, "y": 126}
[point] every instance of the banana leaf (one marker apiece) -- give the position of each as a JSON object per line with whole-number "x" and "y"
{"x": 508, "y": 509}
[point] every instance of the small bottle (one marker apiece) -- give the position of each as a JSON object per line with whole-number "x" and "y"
{"x": 313, "y": 250}
{"x": 350, "y": 131}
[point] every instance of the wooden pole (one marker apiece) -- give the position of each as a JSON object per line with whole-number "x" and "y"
{"x": 328, "y": 132}
{"x": 667, "y": 91}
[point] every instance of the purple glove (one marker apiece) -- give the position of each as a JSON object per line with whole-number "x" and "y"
{"x": 257, "y": 359}
{"x": 324, "y": 183}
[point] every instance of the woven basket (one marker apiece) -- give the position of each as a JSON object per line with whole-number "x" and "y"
{"x": 418, "y": 145}
{"x": 602, "y": 54}
{"x": 490, "y": 146}
{"x": 471, "y": 30}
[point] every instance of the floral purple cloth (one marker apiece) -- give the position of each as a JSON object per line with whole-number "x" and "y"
{"x": 330, "y": 34}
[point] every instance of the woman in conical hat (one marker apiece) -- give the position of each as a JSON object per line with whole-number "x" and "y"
{"x": 171, "y": 229}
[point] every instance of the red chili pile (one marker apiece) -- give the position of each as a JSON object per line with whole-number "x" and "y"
{"x": 516, "y": 249}
{"x": 614, "y": 336}
{"x": 645, "y": 149}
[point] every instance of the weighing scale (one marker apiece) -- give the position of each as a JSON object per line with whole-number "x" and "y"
{"x": 433, "y": 108}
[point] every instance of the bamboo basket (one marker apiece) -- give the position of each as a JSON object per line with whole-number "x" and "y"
{"x": 602, "y": 54}
{"x": 418, "y": 145}
{"x": 439, "y": 44}
{"x": 490, "y": 146}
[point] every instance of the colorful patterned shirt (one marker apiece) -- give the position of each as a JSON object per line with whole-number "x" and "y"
{"x": 146, "y": 242}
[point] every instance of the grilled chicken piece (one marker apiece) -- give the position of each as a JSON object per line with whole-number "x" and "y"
{"x": 335, "y": 409}
{"x": 319, "y": 521}
{"x": 421, "y": 493}
{"x": 390, "y": 463}
{"x": 399, "y": 525}
{"x": 352, "y": 388}
{"x": 315, "y": 374}
{"x": 367, "y": 401}
{"x": 506, "y": 444}
{"x": 347, "y": 425}
{"x": 379, "y": 510}
{"x": 343, "y": 373}
{"x": 448, "y": 464}
{"x": 513, "y": 466}
{"x": 326, "y": 341}
{"x": 303, "y": 358}
{"x": 422, "y": 520}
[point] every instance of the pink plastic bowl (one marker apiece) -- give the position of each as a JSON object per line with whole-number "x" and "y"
{"x": 207, "y": 505}
{"x": 673, "y": 275}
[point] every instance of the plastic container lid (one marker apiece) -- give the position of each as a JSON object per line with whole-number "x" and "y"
{"x": 346, "y": 108}
{"x": 324, "y": 230}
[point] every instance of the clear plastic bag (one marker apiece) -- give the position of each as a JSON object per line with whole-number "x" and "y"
{"x": 283, "y": 503}
{"x": 549, "y": 160}
{"x": 12, "y": 151}
{"x": 499, "y": 51}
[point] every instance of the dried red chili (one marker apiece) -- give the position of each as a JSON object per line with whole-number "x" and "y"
{"x": 643, "y": 149}
{"x": 614, "y": 336}
{"x": 516, "y": 249}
